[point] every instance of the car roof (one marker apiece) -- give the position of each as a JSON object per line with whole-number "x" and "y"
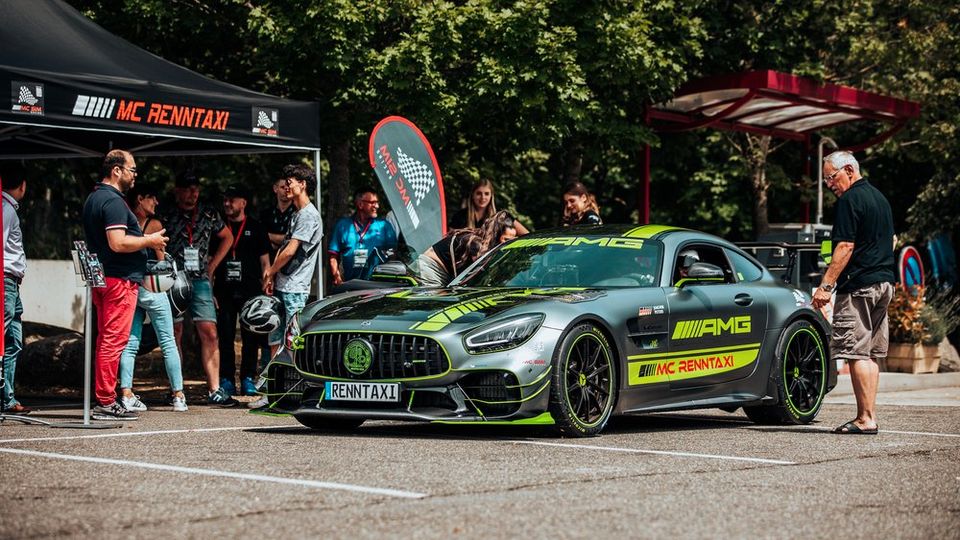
{"x": 647, "y": 232}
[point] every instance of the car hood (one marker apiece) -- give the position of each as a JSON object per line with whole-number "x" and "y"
{"x": 435, "y": 309}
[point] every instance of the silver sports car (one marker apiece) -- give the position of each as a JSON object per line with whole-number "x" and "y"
{"x": 565, "y": 328}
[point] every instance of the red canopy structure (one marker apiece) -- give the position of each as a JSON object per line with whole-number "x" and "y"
{"x": 771, "y": 103}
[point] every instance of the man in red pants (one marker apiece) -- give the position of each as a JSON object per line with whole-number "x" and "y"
{"x": 112, "y": 232}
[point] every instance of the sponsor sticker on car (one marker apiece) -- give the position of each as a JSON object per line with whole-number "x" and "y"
{"x": 359, "y": 391}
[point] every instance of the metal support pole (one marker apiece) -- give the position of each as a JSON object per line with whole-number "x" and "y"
{"x": 320, "y": 265}
{"x": 87, "y": 354}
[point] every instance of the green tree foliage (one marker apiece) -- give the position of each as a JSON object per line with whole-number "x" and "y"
{"x": 534, "y": 93}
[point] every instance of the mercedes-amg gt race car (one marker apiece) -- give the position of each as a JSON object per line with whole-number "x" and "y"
{"x": 566, "y": 328}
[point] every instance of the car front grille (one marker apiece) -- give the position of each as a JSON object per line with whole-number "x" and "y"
{"x": 394, "y": 356}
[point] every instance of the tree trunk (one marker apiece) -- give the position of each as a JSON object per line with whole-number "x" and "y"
{"x": 337, "y": 202}
{"x": 572, "y": 160}
{"x": 758, "y": 150}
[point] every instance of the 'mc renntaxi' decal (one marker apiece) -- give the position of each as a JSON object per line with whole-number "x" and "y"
{"x": 144, "y": 112}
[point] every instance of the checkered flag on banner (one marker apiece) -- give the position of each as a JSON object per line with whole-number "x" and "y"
{"x": 27, "y": 97}
{"x": 417, "y": 174}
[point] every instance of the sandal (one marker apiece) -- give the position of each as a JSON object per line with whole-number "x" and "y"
{"x": 852, "y": 429}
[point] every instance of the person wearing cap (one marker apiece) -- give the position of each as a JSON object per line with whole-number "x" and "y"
{"x": 192, "y": 225}
{"x": 142, "y": 199}
{"x": 236, "y": 281}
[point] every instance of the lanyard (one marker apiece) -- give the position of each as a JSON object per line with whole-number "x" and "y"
{"x": 193, "y": 222}
{"x": 360, "y": 233}
{"x": 236, "y": 238}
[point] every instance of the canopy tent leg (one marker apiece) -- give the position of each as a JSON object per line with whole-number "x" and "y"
{"x": 320, "y": 265}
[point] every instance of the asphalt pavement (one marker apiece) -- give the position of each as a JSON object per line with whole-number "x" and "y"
{"x": 700, "y": 474}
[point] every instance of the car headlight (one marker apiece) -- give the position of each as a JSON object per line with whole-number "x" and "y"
{"x": 503, "y": 335}
{"x": 291, "y": 336}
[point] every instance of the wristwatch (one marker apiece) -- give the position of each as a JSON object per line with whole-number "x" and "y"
{"x": 828, "y": 287}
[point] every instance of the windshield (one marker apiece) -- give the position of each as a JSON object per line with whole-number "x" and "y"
{"x": 568, "y": 261}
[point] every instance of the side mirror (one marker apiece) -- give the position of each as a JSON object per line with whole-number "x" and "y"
{"x": 701, "y": 272}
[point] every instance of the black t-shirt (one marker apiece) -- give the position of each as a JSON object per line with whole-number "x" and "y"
{"x": 105, "y": 209}
{"x": 443, "y": 250}
{"x": 276, "y": 221}
{"x": 250, "y": 244}
{"x": 863, "y": 216}
{"x": 587, "y": 218}
{"x": 459, "y": 220}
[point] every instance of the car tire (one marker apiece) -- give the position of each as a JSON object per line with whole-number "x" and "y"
{"x": 321, "y": 423}
{"x": 799, "y": 373}
{"x": 583, "y": 386}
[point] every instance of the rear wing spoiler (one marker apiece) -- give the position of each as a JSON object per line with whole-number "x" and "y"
{"x": 800, "y": 264}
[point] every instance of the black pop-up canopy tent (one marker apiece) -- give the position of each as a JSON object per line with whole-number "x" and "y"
{"x": 77, "y": 90}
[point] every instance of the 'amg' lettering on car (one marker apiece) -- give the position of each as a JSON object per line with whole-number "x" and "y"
{"x": 711, "y": 327}
{"x": 628, "y": 243}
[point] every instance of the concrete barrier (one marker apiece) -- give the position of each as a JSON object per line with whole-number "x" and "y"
{"x": 51, "y": 294}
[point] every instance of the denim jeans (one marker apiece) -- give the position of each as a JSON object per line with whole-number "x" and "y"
{"x": 161, "y": 318}
{"x": 201, "y": 303}
{"x": 12, "y": 338}
{"x": 292, "y": 303}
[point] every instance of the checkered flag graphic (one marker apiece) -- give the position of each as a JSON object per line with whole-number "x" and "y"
{"x": 417, "y": 174}
{"x": 264, "y": 120}
{"x": 27, "y": 97}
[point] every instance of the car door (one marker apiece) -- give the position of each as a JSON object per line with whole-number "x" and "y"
{"x": 716, "y": 327}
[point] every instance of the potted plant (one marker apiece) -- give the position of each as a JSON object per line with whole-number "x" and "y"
{"x": 919, "y": 320}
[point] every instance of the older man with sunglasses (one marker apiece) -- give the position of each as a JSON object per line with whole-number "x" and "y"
{"x": 862, "y": 272}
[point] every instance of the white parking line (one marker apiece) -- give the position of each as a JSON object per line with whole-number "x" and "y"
{"x": 141, "y": 433}
{"x": 658, "y": 452}
{"x": 224, "y": 474}
{"x": 827, "y": 429}
{"x": 929, "y": 433}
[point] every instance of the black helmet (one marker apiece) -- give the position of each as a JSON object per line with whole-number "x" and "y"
{"x": 180, "y": 293}
{"x": 261, "y": 314}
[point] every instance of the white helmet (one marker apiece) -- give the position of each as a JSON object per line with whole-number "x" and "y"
{"x": 260, "y": 314}
{"x": 160, "y": 276}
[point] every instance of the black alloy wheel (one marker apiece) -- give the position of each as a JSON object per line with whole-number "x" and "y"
{"x": 800, "y": 375}
{"x": 583, "y": 389}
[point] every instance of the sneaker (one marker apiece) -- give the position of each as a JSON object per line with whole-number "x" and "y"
{"x": 221, "y": 398}
{"x": 114, "y": 411}
{"x": 262, "y": 401}
{"x": 228, "y": 386}
{"x": 133, "y": 403}
{"x": 179, "y": 404}
{"x": 248, "y": 387}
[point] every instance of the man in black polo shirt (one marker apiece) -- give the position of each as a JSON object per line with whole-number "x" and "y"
{"x": 112, "y": 232}
{"x": 238, "y": 280}
{"x": 277, "y": 218}
{"x": 862, "y": 272}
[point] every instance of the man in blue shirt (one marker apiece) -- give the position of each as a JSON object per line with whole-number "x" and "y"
{"x": 355, "y": 239}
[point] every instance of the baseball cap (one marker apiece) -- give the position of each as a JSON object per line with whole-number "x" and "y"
{"x": 236, "y": 190}
{"x": 187, "y": 179}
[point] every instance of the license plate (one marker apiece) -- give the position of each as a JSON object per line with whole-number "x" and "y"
{"x": 359, "y": 391}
